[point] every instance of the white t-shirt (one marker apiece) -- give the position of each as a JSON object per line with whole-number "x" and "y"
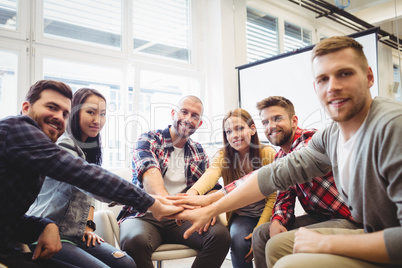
{"x": 175, "y": 179}
{"x": 346, "y": 157}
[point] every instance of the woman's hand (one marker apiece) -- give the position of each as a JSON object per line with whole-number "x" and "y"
{"x": 249, "y": 256}
{"x": 91, "y": 237}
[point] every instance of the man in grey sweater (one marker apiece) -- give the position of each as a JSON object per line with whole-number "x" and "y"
{"x": 362, "y": 147}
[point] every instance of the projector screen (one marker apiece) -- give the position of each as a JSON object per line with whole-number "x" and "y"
{"x": 289, "y": 75}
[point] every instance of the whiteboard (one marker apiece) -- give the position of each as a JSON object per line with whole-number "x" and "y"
{"x": 289, "y": 75}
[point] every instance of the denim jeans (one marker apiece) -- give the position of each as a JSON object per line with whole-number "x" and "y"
{"x": 240, "y": 227}
{"x": 102, "y": 255}
{"x": 139, "y": 237}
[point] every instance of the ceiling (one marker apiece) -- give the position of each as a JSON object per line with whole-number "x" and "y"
{"x": 380, "y": 13}
{"x": 360, "y": 15}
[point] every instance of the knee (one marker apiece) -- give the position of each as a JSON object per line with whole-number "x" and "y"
{"x": 122, "y": 259}
{"x": 238, "y": 241}
{"x": 134, "y": 244}
{"x": 220, "y": 235}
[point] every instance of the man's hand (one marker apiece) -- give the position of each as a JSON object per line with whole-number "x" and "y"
{"x": 48, "y": 243}
{"x": 307, "y": 241}
{"x": 276, "y": 228}
{"x": 191, "y": 200}
{"x": 161, "y": 208}
{"x": 249, "y": 256}
{"x": 198, "y": 217}
{"x": 206, "y": 227}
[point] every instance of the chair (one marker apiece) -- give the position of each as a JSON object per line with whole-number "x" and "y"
{"x": 108, "y": 229}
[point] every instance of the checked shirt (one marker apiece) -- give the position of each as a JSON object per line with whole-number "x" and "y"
{"x": 153, "y": 150}
{"x": 318, "y": 196}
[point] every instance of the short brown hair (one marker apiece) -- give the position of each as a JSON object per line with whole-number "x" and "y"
{"x": 277, "y": 101}
{"x": 336, "y": 43}
{"x": 36, "y": 89}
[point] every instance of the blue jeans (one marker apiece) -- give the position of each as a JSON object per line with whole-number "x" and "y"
{"x": 240, "y": 227}
{"x": 102, "y": 255}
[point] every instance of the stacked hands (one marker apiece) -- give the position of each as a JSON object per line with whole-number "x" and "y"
{"x": 200, "y": 211}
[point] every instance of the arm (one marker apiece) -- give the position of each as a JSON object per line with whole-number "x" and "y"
{"x": 153, "y": 182}
{"x": 368, "y": 247}
{"x": 49, "y": 243}
{"x": 267, "y": 213}
{"x": 209, "y": 179}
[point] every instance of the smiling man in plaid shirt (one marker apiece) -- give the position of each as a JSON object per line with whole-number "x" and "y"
{"x": 319, "y": 198}
{"x": 167, "y": 162}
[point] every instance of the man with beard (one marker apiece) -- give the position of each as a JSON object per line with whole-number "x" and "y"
{"x": 319, "y": 198}
{"x": 362, "y": 147}
{"x": 167, "y": 162}
{"x": 28, "y": 154}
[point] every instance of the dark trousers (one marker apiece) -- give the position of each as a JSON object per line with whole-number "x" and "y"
{"x": 140, "y": 237}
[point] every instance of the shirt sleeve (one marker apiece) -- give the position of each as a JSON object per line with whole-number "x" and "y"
{"x": 145, "y": 154}
{"x": 284, "y": 206}
{"x": 29, "y": 228}
{"x": 211, "y": 176}
{"x": 267, "y": 212}
{"x": 33, "y": 150}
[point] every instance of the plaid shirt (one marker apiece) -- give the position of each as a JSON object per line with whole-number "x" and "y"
{"x": 318, "y": 196}
{"x": 153, "y": 150}
{"x": 27, "y": 155}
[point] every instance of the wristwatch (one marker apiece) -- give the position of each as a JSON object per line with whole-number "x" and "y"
{"x": 91, "y": 225}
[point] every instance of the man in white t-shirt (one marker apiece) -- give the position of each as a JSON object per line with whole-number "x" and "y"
{"x": 167, "y": 162}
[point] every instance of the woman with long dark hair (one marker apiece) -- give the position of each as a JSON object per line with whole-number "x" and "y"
{"x": 68, "y": 206}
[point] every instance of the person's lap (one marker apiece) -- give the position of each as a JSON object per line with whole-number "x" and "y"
{"x": 280, "y": 248}
{"x": 141, "y": 236}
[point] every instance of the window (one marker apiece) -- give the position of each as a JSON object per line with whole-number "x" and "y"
{"x": 107, "y": 81}
{"x": 159, "y": 93}
{"x": 8, "y": 82}
{"x": 93, "y": 21}
{"x": 293, "y": 38}
{"x": 8, "y": 14}
{"x": 262, "y": 35}
{"x": 397, "y": 79}
{"x": 162, "y": 28}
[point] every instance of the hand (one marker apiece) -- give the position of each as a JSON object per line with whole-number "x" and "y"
{"x": 48, "y": 243}
{"x": 206, "y": 227}
{"x": 249, "y": 256}
{"x": 198, "y": 217}
{"x": 192, "y": 200}
{"x": 307, "y": 241}
{"x": 160, "y": 210}
{"x": 90, "y": 236}
{"x": 276, "y": 228}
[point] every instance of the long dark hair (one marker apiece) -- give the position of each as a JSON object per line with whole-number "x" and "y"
{"x": 231, "y": 161}
{"x": 92, "y": 146}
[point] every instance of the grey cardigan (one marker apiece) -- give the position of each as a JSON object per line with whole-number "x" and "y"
{"x": 375, "y": 190}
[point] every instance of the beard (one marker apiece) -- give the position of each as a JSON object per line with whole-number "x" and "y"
{"x": 281, "y": 138}
{"x": 183, "y": 132}
{"x": 53, "y": 134}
